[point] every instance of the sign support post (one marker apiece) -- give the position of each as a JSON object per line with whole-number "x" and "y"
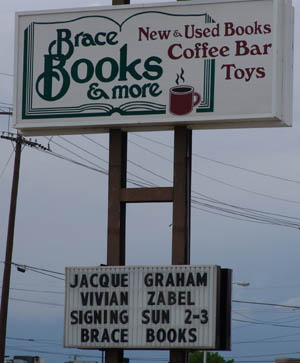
{"x": 119, "y": 195}
{"x": 116, "y": 209}
{"x": 116, "y": 212}
{"x": 181, "y": 210}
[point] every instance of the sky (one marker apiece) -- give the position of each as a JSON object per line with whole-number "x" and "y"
{"x": 62, "y": 219}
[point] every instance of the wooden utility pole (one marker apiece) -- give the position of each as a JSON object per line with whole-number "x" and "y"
{"x": 9, "y": 248}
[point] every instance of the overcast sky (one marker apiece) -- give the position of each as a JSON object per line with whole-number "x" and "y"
{"x": 62, "y": 219}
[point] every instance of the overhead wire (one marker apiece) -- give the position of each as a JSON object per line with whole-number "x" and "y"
{"x": 41, "y": 271}
{"x": 220, "y": 211}
{"x": 267, "y": 355}
{"x": 6, "y": 164}
{"x": 77, "y": 155}
{"x": 23, "y": 349}
{"x": 260, "y": 218}
{"x": 245, "y": 215}
{"x": 279, "y": 321}
{"x": 83, "y": 149}
{"x": 63, "y": 157}
{"x": 37, "y": 291}
{"x": 223, "y": 163}
{"x": 256, "y": 217}
{"x": 35, "y": 340}
{"x": 104, "y": 171}
{"x": 130, "y": 161}
{"x": 276, "y": 222}
{"x": 241, "y": 213}
{"x": 296, "y": 307}
{"x": 6, "y": 74}
{"x": 36, "y": 268}
{"x": 267, "y": 339}
{"x": 206, "y": 198}
{"x": 222, "y": 181}
{"x": 36, "y": 302}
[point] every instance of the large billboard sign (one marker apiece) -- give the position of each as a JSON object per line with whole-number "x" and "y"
{"x": 143, "y": 307}
{"x": 204, "y": 64}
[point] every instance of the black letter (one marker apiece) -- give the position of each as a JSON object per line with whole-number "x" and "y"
{"x": 84, "y": 336}
{"x": 73, "y": 315}
{"x": 151, "y": 295}
{"x": 145, "y": 316}
{"x": 75, "y": 281}
{"x": 149, "y": 335}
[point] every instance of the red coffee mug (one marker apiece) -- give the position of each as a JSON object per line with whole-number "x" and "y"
{"x": 183, "y": 99}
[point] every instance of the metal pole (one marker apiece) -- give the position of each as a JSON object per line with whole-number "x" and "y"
{"x": 9, "y": 248}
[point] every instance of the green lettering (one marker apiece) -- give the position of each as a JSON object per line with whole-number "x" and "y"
{"x": 87, "y": 40}
{"x": 63, "y": 37}
{"x": 124, "y": 68}
{"x": 114, "y": 69}
{"x": 50, "y": 73}
{"x": 153, "y": 68}
{"x": 88, "y": 73}
{"x": 120, "y": 92}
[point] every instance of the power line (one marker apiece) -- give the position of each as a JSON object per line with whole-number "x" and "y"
{"x": 6, "y": 164}
{"x": 224, "y": 163}
{"x": 266, "y": 323}
{"x": 6, "y": 74}
{"x": 104, "y": 171}
{"x": 267, "y": 355}
{"x": 36, "y": 302}
{"x": 45, "y": 274}
{"x": 278, "y": 320}
{"x": 49, "y": 352}
{"x": 37, "y": 268}
{"x": 249, "y": 170}
{"x": 296, "y": 307}
{"x": 136, "y": 164}
{"x": 247, "y": 215}
{"x": 42, "y": 271}
{"x": 37, "y": 291}
{"x": 63, "y": 157}
{"x": 277, "y": 222}
{"x": 77, "y": 155}
{"x": 266, "y": 340}
{"x": 95, "y": 142}
{"x": 205, "y": 198}
{"x": 222, "y": 181}
{"x": 105, "y": 161}
{"x": 86, "y": 151}
{"x": 244, "y": 214}
{"x": 34, "y": 340}
{"x": 75, "y": 162}
{"x": 245, "y": 189}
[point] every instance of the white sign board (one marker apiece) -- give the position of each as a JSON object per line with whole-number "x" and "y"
{"x": 142, "y": 307}
{"x": 205, "y": 64}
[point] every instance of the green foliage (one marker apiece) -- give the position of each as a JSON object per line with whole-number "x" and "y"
{"x": 197, "y": 357}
